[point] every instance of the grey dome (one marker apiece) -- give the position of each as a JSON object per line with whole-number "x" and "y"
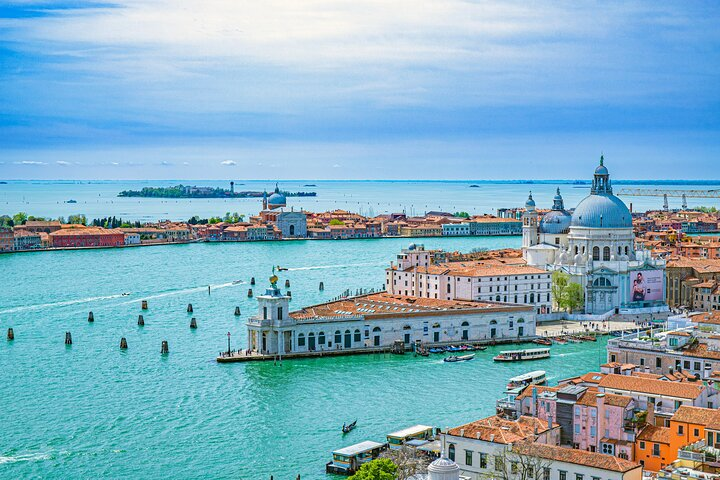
{"x": 601, "y": 211}
{"x": 530, "y": 202}
{"x": 601, "y": 170}
{"x": 277, "y": 199}
{"x": 556, "y": 222}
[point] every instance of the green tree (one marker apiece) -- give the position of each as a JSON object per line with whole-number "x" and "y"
{"x": 335, "y": 221}
{"x": 380, "y": 469}
{"x": 558, "y": 287}
{"x": 214, "y": 220}
{"x": 20, "y": 218}
{"x": 574, "y": 297}
{"x": 6, "y": 221}
{"x": 567, "y": 295}
{"x": 78, "y": 219}
{"x": 461, "y": 214}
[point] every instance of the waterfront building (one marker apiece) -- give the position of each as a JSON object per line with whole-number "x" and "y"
{"x": 692, "y": 283}
{"x": 418, "y": 273}
{"x": 595, "y": 246}
{"x": 25, "y": 240}
{"x": 87, "y": 237}
{"x": 7, "y": 239}
{"x": 132, "y": 238}
{"x": 37, "y": 226}
{"x": 483, "y": 226}
{"x": 378, "y": 320}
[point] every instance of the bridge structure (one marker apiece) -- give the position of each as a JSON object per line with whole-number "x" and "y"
{"x": 660, "y": 192}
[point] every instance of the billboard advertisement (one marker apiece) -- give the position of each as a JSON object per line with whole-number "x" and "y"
{"x": 646, "y": 285}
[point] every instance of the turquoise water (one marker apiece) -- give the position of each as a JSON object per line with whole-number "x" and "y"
{"x": 93, "y": 411}
{"x": 99, "y": 198}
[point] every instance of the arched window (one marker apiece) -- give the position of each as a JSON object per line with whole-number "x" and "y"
{"x": 577, "y": 250}
{"x": 596, "y": 253}
{"x": 451, "y": 452}
{"x": 376, "y": 329}
{"x": 448, "y": 288}
{"x": 292, "y": 230}
{"x": 606, "y": 254}
{"x": 436, "y": 325}
{"x": 521, "y": 320}
{"x": 338, "y": 337}
{"x": 465, "y": 324}
{"x": 407, "y": 327}
{"x": 301, "y": 340}
{"x": 497, "y": 298}
{"x": 601, "y": 282}
{"x": 532, "y": 298}
{"x": 357, "y": 336}
{"x": 493, "y": 322}
{"x": 321, "y": 338}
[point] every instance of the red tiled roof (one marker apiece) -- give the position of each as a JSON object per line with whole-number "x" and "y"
{"x": 577, "y": 457}
{"x": 651, "y": 386}
{"x": 499, "y": 430}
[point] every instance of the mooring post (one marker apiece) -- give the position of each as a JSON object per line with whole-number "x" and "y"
{"x": 164, "y": 349}
{"x": 237, "y": 311}
{"x": 250, "y": 294}
{"x": 68, "y": 338}
{"x": 144, "y": 305}
{"x": 322, "y": 286}
{"x": 189, "y": 309}
{"x": 193, "y": 323}
{"x": 289, "y": 293}
{"x": 123, "y": 344}
{"x": 287, "y": 283}
{"x": 141, "y": 321}
{"x": 252, "y": 281}
{"x": 11, "y": 334}
{"x": 91, "y": 317}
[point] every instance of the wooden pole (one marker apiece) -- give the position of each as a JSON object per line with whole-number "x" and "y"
{"x": 141, "y": 321}
{"x": 68, "y": 338}
{"x": 91, "y": 317}
{"x": 123, "y": 344}
{"x": 164, "y": 348}
{"x": 11, "y": 334}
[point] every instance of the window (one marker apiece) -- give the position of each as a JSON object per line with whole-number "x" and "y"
{"x": 642, "y": 362}
{"x": 642, "y": 445}
{"x": 680, "y": 430}
{"x": 468, "y": 457}
{"x": 513, "y": 468}
{"x": 710, "y": 439}
{"x": 658, "y": 362}
{"x": 301, "y": 340}
{"x": 451, "y": 452}
{"x": 264, "y": 313}
{"x": 498, "y": 463}
{"x": 577, "y": 428}
{"x": 563, "y": 475}
{"x": 579, "y": 476}
{"x": 577, "y": 411}
{"x": 321, "y": 338}
{"x": 596, "y": 253}
{"x": 696, "y": 365}
{"x": 546, "y": 473}
{"x": 696, "y": 432}
{"x": 279, "y": 312}
{"x": 686, "y": 364}
{"x": 656, "y": 449}
{"x": 338, "y": 337}
{"x": 606, "y": 254}
{"x": 357, "y": 336}
{"x": 483, "y": 460}
{"x": 592, "y": 430}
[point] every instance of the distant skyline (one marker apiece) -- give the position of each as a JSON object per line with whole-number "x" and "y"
{"x": 163, "y": 89}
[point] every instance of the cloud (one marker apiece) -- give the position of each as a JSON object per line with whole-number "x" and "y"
{"x": 166, "y": 163}
{"x": 337, "y": 165}
{"x": 62, "y": 162}
{"x": 228, "y": 163}
{"x": 186, "y": 163}
{"x": 30, "y": 162}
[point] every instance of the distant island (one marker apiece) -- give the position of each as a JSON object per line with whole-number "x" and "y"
{"x": 183, "y": 191}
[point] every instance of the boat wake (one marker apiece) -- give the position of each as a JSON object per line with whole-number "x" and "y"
{"x": 203, "y": 288}
{"x": 41, "y": 306}
{"x": 325, "y": 267}
{"x": 28, "y": 457}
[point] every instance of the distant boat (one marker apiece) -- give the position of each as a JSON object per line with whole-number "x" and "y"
{"x": 309, "y": 185}
{"x": 281, "y": 269}
{"x": 125, "y": 294}
{"x": 71, "y": 201}
{"x": 348, "y": 428}
{"x": 520, "y": 355}
{"x": 236, "y": 282}
{"x": 458, "y": 358}
{"x": 531, "y": 378}
{"x": 543, "y": 341}
{"x": 474, "y": 186}
{"x": 3, "y": 183}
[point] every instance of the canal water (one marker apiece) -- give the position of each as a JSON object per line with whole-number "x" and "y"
{"x": 91, "y": 410}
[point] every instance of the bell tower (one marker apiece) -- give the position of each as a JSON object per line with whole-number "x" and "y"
{"x": 530, "y": 224}
{"x": 273, "y": 317}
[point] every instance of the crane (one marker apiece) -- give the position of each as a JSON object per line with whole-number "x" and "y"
{"x": 660, "y": 192}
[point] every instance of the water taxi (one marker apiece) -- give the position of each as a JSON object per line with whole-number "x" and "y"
{"x": 519, "y": 355}
{"x": 348, "y": 460}
{"x": 531, "y": 378}
{"x": 397, "y": 439}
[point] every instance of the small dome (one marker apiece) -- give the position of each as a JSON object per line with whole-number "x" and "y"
{"x": 602, "y": 169}
{"x": 530, "y": 203}
{"x": 555, "y": 222}
{"x": 443, "y": 469}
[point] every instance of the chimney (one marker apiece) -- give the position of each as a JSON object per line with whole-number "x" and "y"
{"x": 462, "y": 432}
{"x": 650, "y": 419}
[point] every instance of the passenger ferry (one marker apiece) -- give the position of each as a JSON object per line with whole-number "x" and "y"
{"x": 519, "y": 355}
{"x": 531, "y": 378}
{"x": 348, "y": 460}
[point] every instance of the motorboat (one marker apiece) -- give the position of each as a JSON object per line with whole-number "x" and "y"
{"x": 531, "y": 378}
{"x": 521, "y": 355}
{"x": 543, "y": 341}
{"x": 459, "y": 358}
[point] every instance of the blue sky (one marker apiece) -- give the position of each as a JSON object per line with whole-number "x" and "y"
{"x": 358, "y": 89}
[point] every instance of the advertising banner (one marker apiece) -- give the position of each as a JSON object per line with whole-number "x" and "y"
{"x": 646, "y": 285}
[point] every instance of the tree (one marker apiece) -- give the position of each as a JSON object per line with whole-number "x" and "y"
{"x": 558, "y": 287}
{"x": 575, "y": 297}
{"x": 6, "y": 221}
{"x": 20, "y": 218}
{"x": 335, "y": 221}
{"x": 461, "y": 215}
{"x": 79, "y": 219}
{"x": 513, "y": 465}
{"x": 380, "y": 469}
{"x": 407, "y": 461}
{"x": 567, "y": 295}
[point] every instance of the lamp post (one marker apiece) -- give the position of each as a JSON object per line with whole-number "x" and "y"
{"x": 228, "y": 334}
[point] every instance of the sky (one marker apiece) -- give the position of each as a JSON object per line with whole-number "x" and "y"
{"x": 337, "y": 89}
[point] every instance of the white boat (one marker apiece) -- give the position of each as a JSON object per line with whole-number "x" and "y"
{"x": 531, "y": 378}
{"x": 519, "y": 355}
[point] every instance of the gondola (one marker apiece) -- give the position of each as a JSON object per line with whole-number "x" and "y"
{"x": 460, "y": 358}
{"x": 349, "y": 427}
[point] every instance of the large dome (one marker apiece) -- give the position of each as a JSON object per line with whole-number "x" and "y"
{"x": 601, "y": 211}
{"x": 555, "y": 222}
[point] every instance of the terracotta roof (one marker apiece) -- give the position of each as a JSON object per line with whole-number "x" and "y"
{"x": 654, "y": 434}
{"x": 577, "y": 457}
{"x": 651, "y": 386}
{"x": 696, "y": 415}
{"x": 651, "y": 376}
{"x": 589, "y": 399}
{"x": 477, "y": 269}
{"x": 706, "y": 317}
{"x": 388, "y": 305}
{"x": 701, "y": 350}
{"x": 527, "y": 392}
{"x": 86, "y": 231}
{"x": 499, "y": 430}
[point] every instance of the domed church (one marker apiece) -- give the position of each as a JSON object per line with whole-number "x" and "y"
{"x": 595, "y": 245}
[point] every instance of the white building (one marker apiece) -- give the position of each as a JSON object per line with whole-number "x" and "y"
{"x": 292, "y": 224}
{"x": 595, "y": 245}
{"x": 378, "y": 320}
{"x": 497, "y": 280}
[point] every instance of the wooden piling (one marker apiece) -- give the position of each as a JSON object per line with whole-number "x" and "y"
{"x": 237, "y": 311}
{"x": 11, "y": 334}
{"x": 141, "y": 321}
{"x": 287, "y": 283}
{"x": 193, "y": 323}
{"x": 252, "y": 281}
{"x": 189, "y": 309}
{"x": 288, "y": 293}
{"x": 144, "y": 305}
{"x": 123, "y": 344}
{"x": 322, "y": 286}
{"x": 68, "y": 338}
{"x": 250, "y": 294}
{"x": 164, "y": 349}
{"x": 91, "y": 317}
